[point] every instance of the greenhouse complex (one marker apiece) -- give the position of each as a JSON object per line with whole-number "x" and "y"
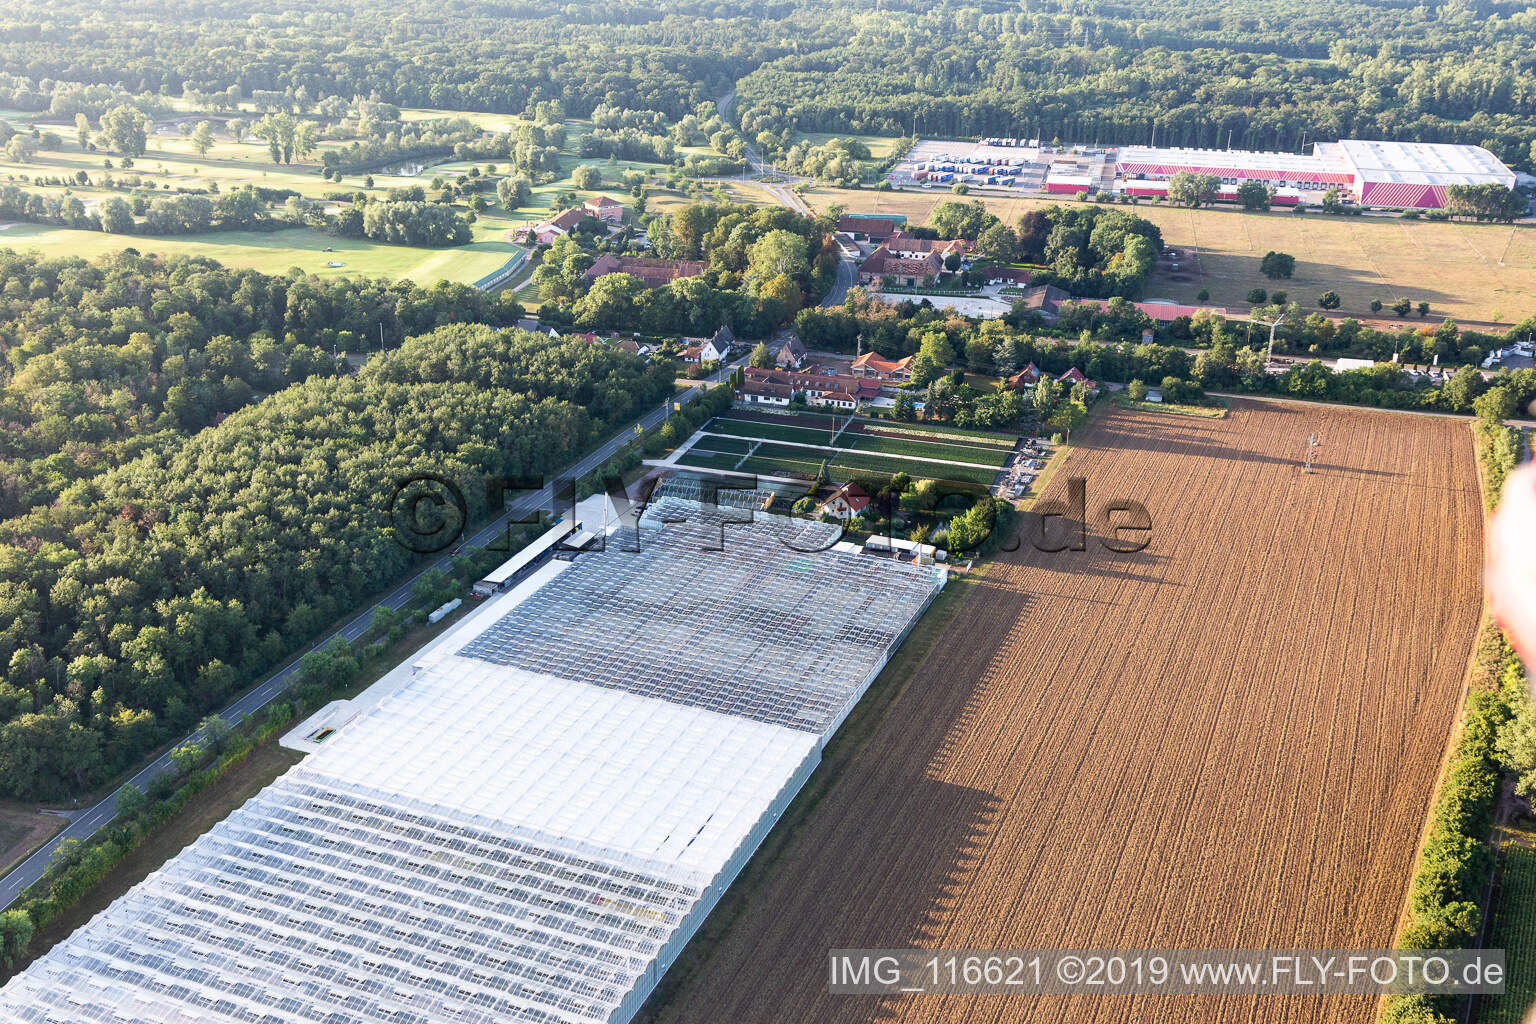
{"x": 533, "y": 825}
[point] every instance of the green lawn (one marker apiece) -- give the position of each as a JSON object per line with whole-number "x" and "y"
{"x": 939, "y": 430}
{"x": 276, "y": 251}
{"x": 715, "y": 443}
{"x": 770, "y": 431}
{"x": 984, "y": 454}
{"x": 862, "y": 463}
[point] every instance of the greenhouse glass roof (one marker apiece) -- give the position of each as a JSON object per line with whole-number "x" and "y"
{"x": 533, "y": 825}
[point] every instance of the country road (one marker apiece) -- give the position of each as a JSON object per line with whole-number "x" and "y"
{"x": 785, "y": 196}
{"x": 83, "y": 823}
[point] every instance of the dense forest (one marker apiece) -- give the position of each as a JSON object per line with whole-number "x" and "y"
{"x": 1264, "y": 75}
{"x": 156, "y": 554}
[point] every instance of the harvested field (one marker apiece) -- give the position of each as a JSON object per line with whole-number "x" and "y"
{"x": 1466, "y": 271}
{"x": 1226, "y": 740}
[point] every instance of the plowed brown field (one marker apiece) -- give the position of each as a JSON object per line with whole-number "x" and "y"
{"x": 1227, "y": 740}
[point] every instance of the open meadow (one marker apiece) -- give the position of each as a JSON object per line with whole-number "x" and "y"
{"x": 171, "y": 163}
{"x": 1475, "y": 272}
{"x": 1226, "y": 740}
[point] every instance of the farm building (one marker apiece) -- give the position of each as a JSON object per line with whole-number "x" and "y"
{"x": 876, "y": 227}
{"x": 653, "y": 273}
{"x": 1397, "y": 174}
{"x": 838, "y": 391}
{"x": 561, "y": 224}
{"x": 534, "y": 824}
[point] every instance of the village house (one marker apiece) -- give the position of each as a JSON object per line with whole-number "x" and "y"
{"x": 909, "y": 262}
{"x": 718, "y": 347}
{"x": 846, "y": 502}
{"x": 790, "y": 355}
{"x": 714, "y": 349}
{"x": 1025, "y": 378}
{"x": 1073, "y": 377}
{"x": 907, "y": 247}
{"x": 887, "y": 371}
{"x": 652, "y": 273}
{"x": 609, "y": 211}
{"x": 827, "y": 390}
{"x": 557, "y": 226}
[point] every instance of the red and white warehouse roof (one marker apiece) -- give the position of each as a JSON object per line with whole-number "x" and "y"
{"x": 1237, "y": 163}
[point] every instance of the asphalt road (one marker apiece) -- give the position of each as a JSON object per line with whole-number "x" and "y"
{"x": 84, "y": 823}
{"x": 845, "y": 278}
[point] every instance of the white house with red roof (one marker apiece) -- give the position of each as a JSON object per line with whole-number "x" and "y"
{"x": 846, "y": 502}
{"x": 557, "y": 226}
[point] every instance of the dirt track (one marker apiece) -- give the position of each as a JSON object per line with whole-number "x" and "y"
{"x": 1226, "y": 740}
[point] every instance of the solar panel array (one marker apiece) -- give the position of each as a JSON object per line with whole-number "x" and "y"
{"x": 515, "y": 840}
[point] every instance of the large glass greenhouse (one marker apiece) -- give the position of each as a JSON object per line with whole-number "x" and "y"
{"x": 535, "y": 824}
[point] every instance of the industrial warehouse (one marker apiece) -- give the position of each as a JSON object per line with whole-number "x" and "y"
{"x": 533, "y": 826}
{"x": 1399, "y": 175}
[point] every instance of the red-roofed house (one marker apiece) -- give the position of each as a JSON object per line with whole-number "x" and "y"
{"x": 908, "y": 262}
{"x": 557, "y": 226}
{"x": 652, "y": 273}
{"x": 832, "y": 390}
{"x": 876, "y": 229}
{"x": 872, "y": 364}
{"x": 1073, "y": 377}
{"x": 609, "y": 211}
{"x": 846, "y": 502}
{"x": 1025, "y": 378}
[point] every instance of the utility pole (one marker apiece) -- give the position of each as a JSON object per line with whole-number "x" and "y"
{"x": 1312, "y": 445}
{"x": 1270, "y": 354}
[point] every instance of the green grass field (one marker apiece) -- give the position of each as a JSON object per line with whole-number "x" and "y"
{"x": 941, "y": 431}
{"x": 716, "y": 443}
{"x": 769, "y": 431}
{"x": 275, "y": 252}
{"x": 171, "y": 163}
{"x": 1514, "y": 931}
{"x": 986, "y": 455}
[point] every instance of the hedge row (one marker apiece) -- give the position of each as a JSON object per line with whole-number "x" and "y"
{"x": 1456, "y": 863}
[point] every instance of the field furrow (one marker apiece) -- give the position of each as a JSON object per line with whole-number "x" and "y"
{"x": 1227, "y": 740}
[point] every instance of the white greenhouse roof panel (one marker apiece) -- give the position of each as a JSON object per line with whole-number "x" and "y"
{"x": 673, "y": 785}
{"x": 493, "y": 842}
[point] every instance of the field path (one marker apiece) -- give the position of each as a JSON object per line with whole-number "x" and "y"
{"x": 1227, "y": 740}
